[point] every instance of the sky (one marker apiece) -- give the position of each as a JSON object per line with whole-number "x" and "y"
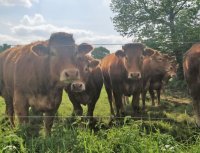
{"x": 25, "y": 21}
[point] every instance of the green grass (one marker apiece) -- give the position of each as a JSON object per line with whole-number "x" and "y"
{"x": 166, "y": 128}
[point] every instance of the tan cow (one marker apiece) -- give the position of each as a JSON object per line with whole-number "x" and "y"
{"x": 92, "y": 82}
{"x": 191, "y": 67}
{"x": 157, "y": 68}
{"x": 122, "y": 75}
{"x": 34, "y": 76}
{"x": 158, "y": 81}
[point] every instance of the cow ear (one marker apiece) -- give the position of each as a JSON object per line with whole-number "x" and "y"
{"x": 40, "y": 50}
{"x": 94, "y": 63}
{"x": 84, "y": 48}
{"x": 148, "y": 52}
{"x": 120, "y": 53}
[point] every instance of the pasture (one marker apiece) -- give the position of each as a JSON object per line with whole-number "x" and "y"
{"x": 166, "y": 128}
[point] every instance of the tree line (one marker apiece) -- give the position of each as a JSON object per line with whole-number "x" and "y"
{"x": 4, "y": 47}
{"x": 171, "y": 26}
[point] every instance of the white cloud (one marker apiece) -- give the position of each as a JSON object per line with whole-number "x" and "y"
{"x": 24, "y": 3}
{"x": 37, "y": 19}
{"x": 9, "y": 39}
{"x": 32, "y": 28}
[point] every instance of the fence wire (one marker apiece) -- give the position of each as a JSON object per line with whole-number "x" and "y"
{"x": 97, "y": 117}
{"x": 118, "y": 44}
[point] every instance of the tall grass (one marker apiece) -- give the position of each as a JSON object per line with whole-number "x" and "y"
{"x": 175, "y": 131}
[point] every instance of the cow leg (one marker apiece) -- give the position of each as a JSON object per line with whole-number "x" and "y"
{"x": 196, "y": 107}
{"x": 151, "y": 92}
{"x": 118, "y": 103}
{"x": 21, "y": 107}
{"x": 90, "y": 111}
{"x": 48, "y": 122}
{"x": 143, "y": 99}
{"x": 136, "y": 102}
{"x": 158, "y": 95}
{"x": 110, "y": 99}
{"x": 10, "y": 110}
{"x": 77, "y": 109}
{"x": 125, "y": 100}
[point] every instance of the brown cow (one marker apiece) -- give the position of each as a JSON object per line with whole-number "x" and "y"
{"x": 92, "y": 80}
{"x": 122, "y": 75}
{"x": 158, "y": 81}
{"x": 34, "y": 76}
{"x": 156, "y": 68}
{"x": 191, "y": 67}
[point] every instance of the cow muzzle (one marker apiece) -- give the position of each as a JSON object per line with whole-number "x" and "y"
{"x": 134, "y": 75}
{"x": 173, "y": 75}
{"x": 77, "y": 87}
{"x": 69, "y": 75}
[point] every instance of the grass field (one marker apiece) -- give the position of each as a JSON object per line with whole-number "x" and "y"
{"x": 167, "y": 128}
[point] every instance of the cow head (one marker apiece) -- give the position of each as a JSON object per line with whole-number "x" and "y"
{"x": 162, "y": 64}
{"x": 132, "y": 58}
{"x": 85, "y": 64}
{"x": 172, "y": 67}
{"x": 59, "y": 51}
{"x": 157, "y": 62}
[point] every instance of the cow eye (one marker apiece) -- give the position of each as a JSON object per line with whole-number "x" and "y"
{"x": 171, "y": 67}
{"x": 142, "y": 57}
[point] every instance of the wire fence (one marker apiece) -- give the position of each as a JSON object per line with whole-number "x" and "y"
{"x": 118, "y": 44}
{"x": 97, "y": 117}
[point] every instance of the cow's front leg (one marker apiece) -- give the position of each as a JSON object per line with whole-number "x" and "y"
{"x": 196, "y": 107}
{"x": 119, "y": 105}
{"x": 48, "y": 122}
{"x": 21, "y": 107}
{"x": 136, "y": 103}
{"x": 10, "y": 110}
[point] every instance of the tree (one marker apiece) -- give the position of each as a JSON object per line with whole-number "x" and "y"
{"x": 4, "y": 47}
{"x": 100, "y": 52}
{"x": 168, "y": 25}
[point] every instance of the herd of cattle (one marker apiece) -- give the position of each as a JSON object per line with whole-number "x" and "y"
{"x": 35, "y": 75}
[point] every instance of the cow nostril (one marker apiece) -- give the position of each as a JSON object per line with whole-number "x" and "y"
{"x": 66, "y": 74}
{"x": 131, "y": 74}
{"x": 73, "y": 86}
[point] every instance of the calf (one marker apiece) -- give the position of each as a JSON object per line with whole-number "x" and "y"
{"x": 89, "y": 85}
{"x": 191, "y": 67}
{"x": 34, "y": 76}
{"x": 122, "y": 75}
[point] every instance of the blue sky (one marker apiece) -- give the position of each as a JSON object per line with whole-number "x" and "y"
{"x": 24, "y": 21}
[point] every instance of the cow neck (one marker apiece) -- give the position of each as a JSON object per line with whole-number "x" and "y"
{"x": 48, "y": 82}
{"x": 146, "y": 68}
